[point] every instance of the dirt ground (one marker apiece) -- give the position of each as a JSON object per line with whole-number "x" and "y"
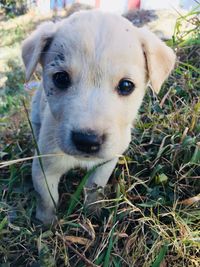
{"x": 161, "y": 22}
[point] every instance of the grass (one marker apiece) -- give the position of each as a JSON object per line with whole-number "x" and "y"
{"x": 151, "y": 216}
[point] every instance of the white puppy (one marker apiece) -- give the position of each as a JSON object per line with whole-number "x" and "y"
{"x": 95, "y": 69}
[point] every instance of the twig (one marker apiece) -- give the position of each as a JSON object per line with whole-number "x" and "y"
{"x": 165, "y": 97}
{"x": 88, "y": 262}
{"x": 14, "y": 161}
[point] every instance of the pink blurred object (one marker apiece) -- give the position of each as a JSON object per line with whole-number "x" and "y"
{"x": 133, "y": 4}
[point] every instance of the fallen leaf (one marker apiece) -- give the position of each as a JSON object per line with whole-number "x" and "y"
{"x": 121, "y": 235}
{"x": 163, "y": 264}
{"x": 190, "y": 201}
{"x": 77, "y": 240}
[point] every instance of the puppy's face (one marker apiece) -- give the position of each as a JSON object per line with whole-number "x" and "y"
{"x": 95, "y": 68}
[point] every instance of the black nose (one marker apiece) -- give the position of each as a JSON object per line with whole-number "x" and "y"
{"x": 88, "y": 142}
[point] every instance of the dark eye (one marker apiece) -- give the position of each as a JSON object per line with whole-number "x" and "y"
{"x": 125, "y": 87}
{"x": 61, "y": 80}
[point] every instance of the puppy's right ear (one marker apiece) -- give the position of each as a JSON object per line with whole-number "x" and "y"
{"x": 160, "y": 58}
{"x": 35, "y": 44}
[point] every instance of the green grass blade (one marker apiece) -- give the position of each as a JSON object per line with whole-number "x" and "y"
{"x": 76, "y": 196}
{"x": 110, "y": 245}
{"x": 100, "y": 259}
{"x": 160, "y": 256}
{"x": 38, "y": 151}
{"x": 3, "y": 223}
{"x": 196, "y": 156}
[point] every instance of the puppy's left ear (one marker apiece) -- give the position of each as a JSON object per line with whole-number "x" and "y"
{"x": 160, "y": 58}
{"x": 34, "y": 46}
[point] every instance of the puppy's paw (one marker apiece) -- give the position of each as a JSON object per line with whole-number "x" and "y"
{"x": 94, "y": 199}
{"x": 46, "y": 215}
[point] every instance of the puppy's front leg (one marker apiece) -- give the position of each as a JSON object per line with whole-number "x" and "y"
{"x": 94, "y": 189}
{"x": 47, "y": 188}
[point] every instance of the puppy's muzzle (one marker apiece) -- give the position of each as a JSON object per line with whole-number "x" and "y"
{"x": 88, "y": 142}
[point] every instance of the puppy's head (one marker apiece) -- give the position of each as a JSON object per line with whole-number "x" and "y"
{"x": 95, "y": 70}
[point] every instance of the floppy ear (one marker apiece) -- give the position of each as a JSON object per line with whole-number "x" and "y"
{"x": 160, "y": 58}
{"x": 35, "y": 44}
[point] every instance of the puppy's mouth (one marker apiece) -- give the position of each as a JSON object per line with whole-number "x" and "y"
{"x": 82, "y": 156}
{"x": 72, "y": 151}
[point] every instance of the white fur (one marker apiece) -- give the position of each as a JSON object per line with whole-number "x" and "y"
{"x": 99, "y": 50}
